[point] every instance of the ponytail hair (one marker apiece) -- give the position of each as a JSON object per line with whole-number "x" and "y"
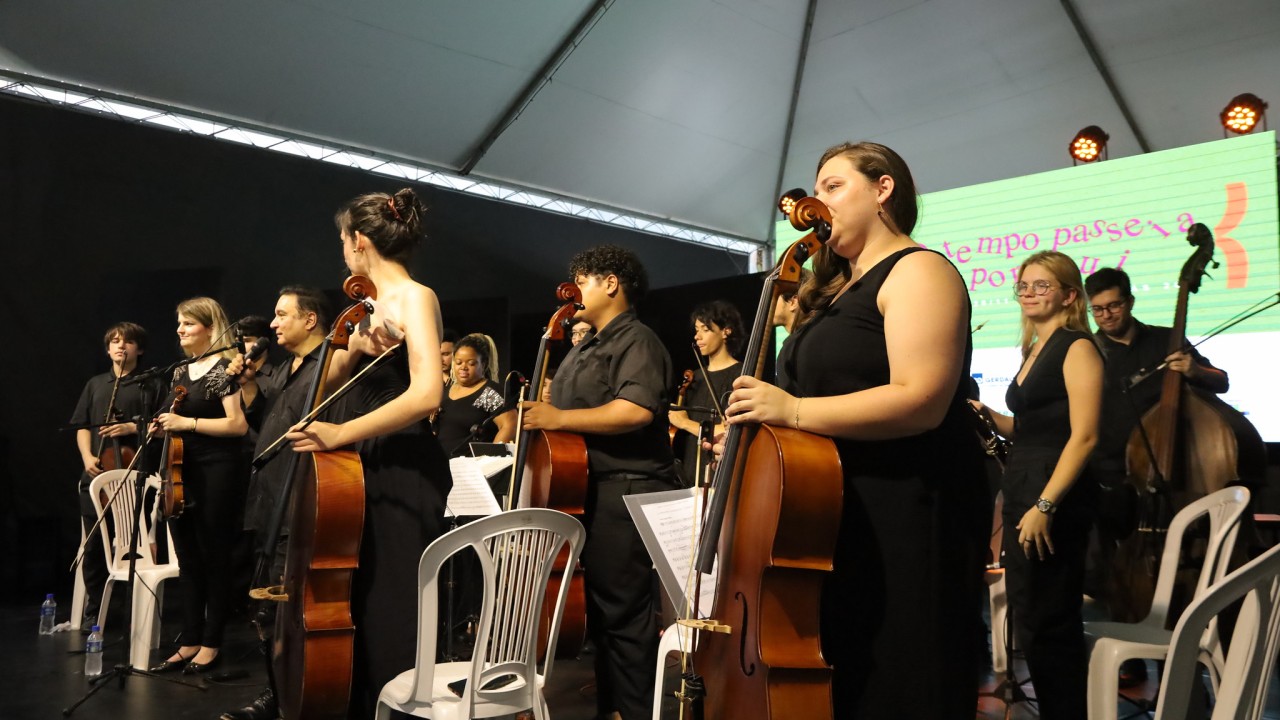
{"x": 486, "y": 352}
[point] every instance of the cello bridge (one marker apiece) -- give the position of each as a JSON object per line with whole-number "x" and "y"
{"x": 707, "y": 624}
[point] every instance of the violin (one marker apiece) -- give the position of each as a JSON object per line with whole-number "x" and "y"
{"x": 313, "y": 646}
{"x": 550, "y": 471}
{"x": 770, "y": 533}
{"x": 171, "y": 494}
{"x": 114, "y": 455}
{"x": 685, "y": 382}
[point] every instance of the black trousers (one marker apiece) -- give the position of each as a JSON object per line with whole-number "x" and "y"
{"x": 621, "y": 606}
{"x": 1046, "y": 596}
{"x": 204, "y": 537}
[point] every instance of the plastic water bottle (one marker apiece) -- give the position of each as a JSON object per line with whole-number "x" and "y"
{"x": 48, "y": 611}
{"x": 93, "y": 653}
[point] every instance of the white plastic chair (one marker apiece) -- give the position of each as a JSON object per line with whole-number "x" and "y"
{"x": 1115, "y": 642}
{"x": 517, "y": 550}
{"x": 148, "y": 591}
{"x": 1242, "y": 688}
{"x": 78, "y": 591}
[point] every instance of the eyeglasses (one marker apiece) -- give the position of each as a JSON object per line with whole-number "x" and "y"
{"x": 1039, "y": 287}
{"x": 578, "y": 334}
{"x": 1108, "y": 309}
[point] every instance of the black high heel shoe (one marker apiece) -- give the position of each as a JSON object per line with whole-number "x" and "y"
{"x": 169, "y": 666}
{"x": 194, "y": 667}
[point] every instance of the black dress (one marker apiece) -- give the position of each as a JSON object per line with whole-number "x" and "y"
{"x": 406, "y": 480}
{"x": 456, "y": 419}
{"x": 1045, "y": 596}
{"x": 214, "y": 476}
{"x": 901, "y": 622}
{"x": 699, "y": 396}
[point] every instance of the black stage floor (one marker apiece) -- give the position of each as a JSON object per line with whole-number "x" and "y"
{"x": 42, "y": 675}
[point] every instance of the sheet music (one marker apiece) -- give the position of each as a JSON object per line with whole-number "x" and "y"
{"x": 471, "y": 495}
{"x": 669, "y": 524}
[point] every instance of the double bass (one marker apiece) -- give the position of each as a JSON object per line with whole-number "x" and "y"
{"x": 550, "y": 471}
{"x": 313, "y": 646}
{"x": 770, "y": 531}
{"x": 1188, "y": 445}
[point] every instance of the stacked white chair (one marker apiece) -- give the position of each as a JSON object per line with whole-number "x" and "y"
{"x": 1115, "y": 642}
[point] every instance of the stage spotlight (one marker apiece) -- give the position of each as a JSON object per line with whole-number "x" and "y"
{"x": 789, "y": 200}
{"x": 1241, "y": 115}
{"x": 1088, "y": 144}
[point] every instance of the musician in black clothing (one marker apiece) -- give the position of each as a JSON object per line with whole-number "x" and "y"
{"x": 1129, "y": 347}
{"x": 612, "y": 389}
{"x": 718, "y": 336}
{"x": 300, "y": 323}
{"x": 104, "y": 399}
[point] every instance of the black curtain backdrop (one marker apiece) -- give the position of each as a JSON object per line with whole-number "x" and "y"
{"x": 105, "y": 220}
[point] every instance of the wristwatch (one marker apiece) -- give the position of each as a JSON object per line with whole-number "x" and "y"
{"x": 1046, "y": 506}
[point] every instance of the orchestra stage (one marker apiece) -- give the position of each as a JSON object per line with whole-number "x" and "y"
{"x": 42, "y": 675}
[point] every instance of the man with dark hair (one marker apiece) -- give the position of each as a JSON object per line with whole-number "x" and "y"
{"x": 300, "y": 324}
{"x": 448, "y": 339}
{"x": 107, "y": 399}
{"x": 612, "y": 388}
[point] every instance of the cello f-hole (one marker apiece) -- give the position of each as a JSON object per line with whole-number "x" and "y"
{"x": 748, "y": 669}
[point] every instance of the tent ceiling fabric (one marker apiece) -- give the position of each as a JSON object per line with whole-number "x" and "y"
{"x": 674, "y": 108}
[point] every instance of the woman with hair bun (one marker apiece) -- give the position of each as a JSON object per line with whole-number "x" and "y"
{"x": 474, "y": 408}
{"x": 210, "y": 423}
{"x": 406, "y": 473}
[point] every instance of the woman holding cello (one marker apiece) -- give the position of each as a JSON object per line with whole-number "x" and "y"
{"x": 406, "y": 473}
{"x": 879, "y": 362}
{"x": 210, "y": 424}
{"x": 1049, "y": 505}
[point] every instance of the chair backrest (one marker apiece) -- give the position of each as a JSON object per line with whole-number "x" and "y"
{"x": 517, "y": 551}
{"x": 1224, "y": 509}
{"x": 118, "y": 484}
{"x": 1243, "y": 686}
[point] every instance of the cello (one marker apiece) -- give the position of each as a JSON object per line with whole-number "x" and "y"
{"x": 313, "y": 646}
{"x": 550, "y": 471}
{"x": 770, "y": 531}
{"x": 1189, "y": 444}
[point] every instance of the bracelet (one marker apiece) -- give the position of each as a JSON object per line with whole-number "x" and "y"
{"x": 194, "y": 423}
{"x": 797, "y": 424}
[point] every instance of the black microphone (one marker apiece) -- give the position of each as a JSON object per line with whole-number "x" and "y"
{"x": 256, "y": 351}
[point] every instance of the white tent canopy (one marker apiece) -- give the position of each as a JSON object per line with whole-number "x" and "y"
{"x": 676, "y": 109}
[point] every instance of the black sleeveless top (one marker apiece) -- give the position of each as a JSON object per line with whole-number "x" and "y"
{"x": 843, "y": 350}
{"x": 1041, "y": 412}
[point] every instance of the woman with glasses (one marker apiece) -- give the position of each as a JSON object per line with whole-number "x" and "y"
{"x": 474, "y": 409}
{"x": 1048, "y": 505}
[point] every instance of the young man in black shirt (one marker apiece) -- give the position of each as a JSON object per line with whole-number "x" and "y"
{"x": 108, "y": 398}
{"x": 612, "y": 389}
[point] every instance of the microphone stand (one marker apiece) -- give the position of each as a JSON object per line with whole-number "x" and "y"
{"x": 124, "y": 670}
